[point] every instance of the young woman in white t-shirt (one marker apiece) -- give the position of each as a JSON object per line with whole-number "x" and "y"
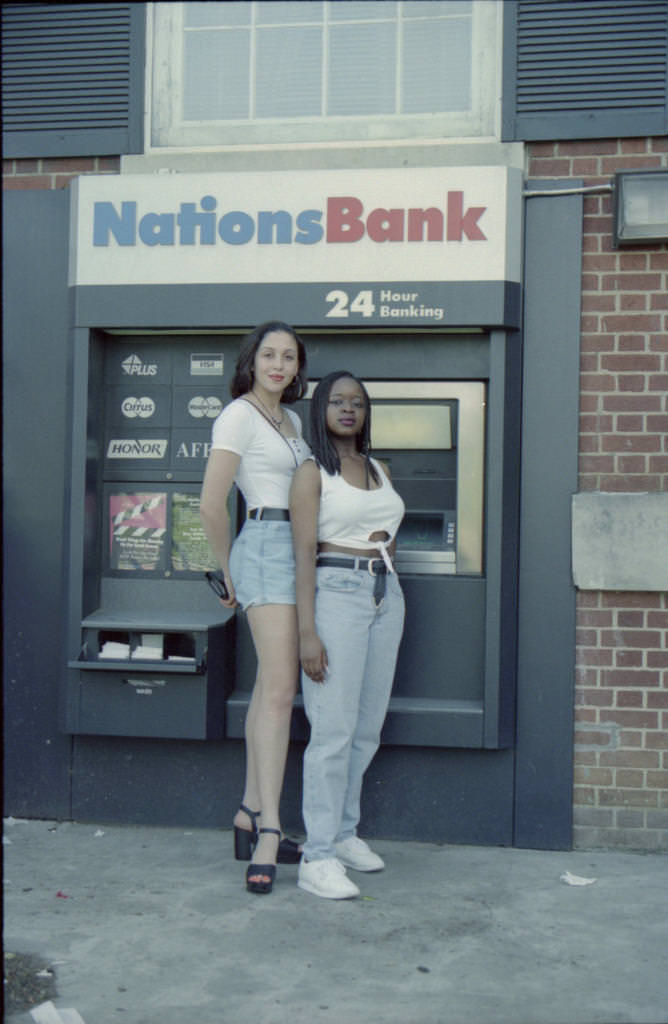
{"x": 345, "y": 515}
{"x": 257, "y": 443}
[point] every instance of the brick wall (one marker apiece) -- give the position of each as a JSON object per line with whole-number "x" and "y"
{"x": 621, "y": 700}
{"x": 54, "y": 172}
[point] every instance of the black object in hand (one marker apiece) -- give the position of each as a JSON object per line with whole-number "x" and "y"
{"x": 216, "y": 581}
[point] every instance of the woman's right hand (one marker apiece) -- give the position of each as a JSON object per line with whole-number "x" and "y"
{"x": 231, "y": 600}
{"x": 313, "y": 657}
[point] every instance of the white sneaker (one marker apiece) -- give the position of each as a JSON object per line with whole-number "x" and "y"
{"x": 326, "y": 878}
{"x": 355, "y": 854}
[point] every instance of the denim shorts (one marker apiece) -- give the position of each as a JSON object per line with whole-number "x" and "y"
{"x": 262, "y": 564}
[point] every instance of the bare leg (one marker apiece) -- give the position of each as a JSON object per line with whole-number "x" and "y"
{"x": 274, "y": 632}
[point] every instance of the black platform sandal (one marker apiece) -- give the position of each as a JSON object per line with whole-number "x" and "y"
{"x": 244, "y": 838}
{"x": 263, "y": 871}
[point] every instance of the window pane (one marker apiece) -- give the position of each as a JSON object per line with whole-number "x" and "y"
{"x": 435, "y": 8}
{"x": 285, "y": 12}
{"x": 349, "y": 10}
{"x": 288, "y": 72}
{"x": 216, "y": 75}
{"x": 362, "y": 69}
{"x": 436, "y": 66}
{"x": 235, "y": 12}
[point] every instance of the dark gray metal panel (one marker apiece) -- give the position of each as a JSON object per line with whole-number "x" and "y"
{"x": 73, "y": 79}
{"x": 478, "y": 304}
{"x": 585, "y": 69}
{"x": 35, "y": 410}
{"x": 546, "y": 637}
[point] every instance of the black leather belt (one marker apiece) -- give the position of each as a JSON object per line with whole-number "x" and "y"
{"x": 280, "y": 514}
{"x": 374, "y": 566}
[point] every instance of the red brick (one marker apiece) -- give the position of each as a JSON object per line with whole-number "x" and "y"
{"x": 108, "y": 164}
{"x": 641, "y": 162}
{"x": 602, "y": 424}
{"x": 657, "y": 698}
{"x": 631, "y": 463}
{"x": 594, "y": 698}
{"x": 600, "y": 262}
{"x": 627, "y": 677}
{"x": 597, "y": 382}
{"x": 627, "y": 798}
{"x": 31, "y": 181}
{"x": 634, "y": 300}
{"x": 630, "y": 758}
{"x": 658, "y": 382}
{"x": 596, "y": 225}
{"x": 586, "y": 637}
{"x": 589, "y": 403}
{"x": 598, "y": 343}
{"x": 585, "y": 165}
{"x": 632, "y": 403}
{"x": 658, "y": 260}
{"x": 658, "y": 423}
{"x": 632, "y": 382}
{"x": 627, "y": 443}
{"x": 72, "y": 164}
{"x": 593, "y": 656}
{"x": 630, "y": 599}
{"x": 598, "y": 303}
{"x": 584, "y": 796}
{"x": 591, "y": 738}
{"x": 656, "y": 740}
{"x": 657, "y": 659}
{"x": 658, "y": 463}
{"x": 631, "y": 777}
{"x": 630, "y": 443}
{"x": 632, "y": 342}
{"x": 659, "y": 343}
{"x": 630, "y": 698}
{"x": 658, "y": 619}
{"x": 634, "y": 145}
{"x": 588, "y": 362}
{"x": 632, "y": 261}
{"x": 658, "y": 301}
{"x": 550, "y": 168}
{"x": 631, "y": 282}
{"x": 585, "y": 757}
{"x": 588, "y": 775}
{"x": 597, "y": 464}
{"x": 26, "y": 166}
{"x": 588, "y": 147}
{"x": 632, "y": 322}
{"x": 594, "y": 617}
{"x": 630, "y": 619}
{"x": 630, "y": 424}
{"x": 630, "y": 718}
{"x": 628, "y": 659}
{"x": 657, "y": 780}
{"x": 631, "y": 638}
{"x": 636, "y": 484}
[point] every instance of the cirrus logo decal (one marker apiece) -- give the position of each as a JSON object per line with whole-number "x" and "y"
{"x": 142, "y": 407}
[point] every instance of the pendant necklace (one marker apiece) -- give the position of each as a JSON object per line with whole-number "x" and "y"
{"x": 273, "y": 419}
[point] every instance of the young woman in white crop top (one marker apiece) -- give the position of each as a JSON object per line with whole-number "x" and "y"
{"x": 345, "y": 515}
{"x": 257, "y": 444}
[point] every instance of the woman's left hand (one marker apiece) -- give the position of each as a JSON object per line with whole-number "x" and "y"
{"x": 313, "y": 657}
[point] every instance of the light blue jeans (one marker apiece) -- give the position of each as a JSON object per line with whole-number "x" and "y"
{"x": 347, "y": 711}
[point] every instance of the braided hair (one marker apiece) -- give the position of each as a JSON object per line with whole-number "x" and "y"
{"x": 322, "y": 446}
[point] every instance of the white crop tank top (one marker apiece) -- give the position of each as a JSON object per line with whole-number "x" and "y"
{"x": 349, "y": 515}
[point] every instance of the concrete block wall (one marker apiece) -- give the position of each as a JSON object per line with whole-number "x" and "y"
{"x": 621, "y": 715}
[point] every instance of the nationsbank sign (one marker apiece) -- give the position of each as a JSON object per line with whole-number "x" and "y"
{"x": 334, "y": 227}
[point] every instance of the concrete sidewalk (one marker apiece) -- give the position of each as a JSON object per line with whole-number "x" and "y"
{"x": 154, "y": 926}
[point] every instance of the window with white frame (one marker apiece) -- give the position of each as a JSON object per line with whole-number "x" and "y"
{"x": 266, "y": 71}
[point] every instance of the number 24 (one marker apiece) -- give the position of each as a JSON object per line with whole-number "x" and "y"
{"x": 362, "y": 303}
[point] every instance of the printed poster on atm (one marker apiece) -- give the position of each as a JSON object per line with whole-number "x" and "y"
{"x": 137, "y": 531}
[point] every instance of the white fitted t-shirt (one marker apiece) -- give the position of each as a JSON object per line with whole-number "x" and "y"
{"x": 268, "y": 458}
{"x": 349, "y": 515}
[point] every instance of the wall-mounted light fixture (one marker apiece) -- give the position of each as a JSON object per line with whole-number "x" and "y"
{"x": 641, "y": 207}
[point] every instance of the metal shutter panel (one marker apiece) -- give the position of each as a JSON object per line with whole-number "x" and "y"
{"x": 583, "y": 69}
{"x": 72, "y": 79}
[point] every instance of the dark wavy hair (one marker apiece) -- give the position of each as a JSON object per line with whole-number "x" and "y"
{"x": 242, "y": 382}
{"x": 322, "y": 445}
